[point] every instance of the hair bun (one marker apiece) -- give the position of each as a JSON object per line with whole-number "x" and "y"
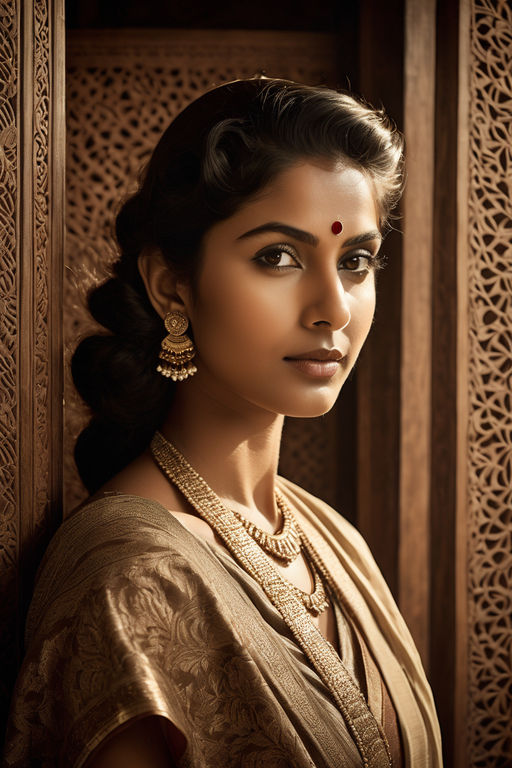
{"x": 112, "y": 446}
{"x": 117, "y": 380}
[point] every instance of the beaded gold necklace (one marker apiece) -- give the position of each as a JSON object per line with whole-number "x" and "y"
{"x": 285, "y": 544}
{"x": 370, "y": 741}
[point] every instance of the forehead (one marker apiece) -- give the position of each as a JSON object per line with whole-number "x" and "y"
{"x": 310, "y": 196}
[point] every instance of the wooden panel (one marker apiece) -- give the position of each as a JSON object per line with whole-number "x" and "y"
{"x": 32, "y": 218}
{"x": 378, "y": 370}
{"x": 416, "y": 321}
{"x": 460, "y": 746}
{"x": 489, "y": 279}
{"x": 444, "y": 422}
{"x": 9, "y": 468}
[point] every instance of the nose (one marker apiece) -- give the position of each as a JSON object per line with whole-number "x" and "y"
{"x": 327, "y": 303}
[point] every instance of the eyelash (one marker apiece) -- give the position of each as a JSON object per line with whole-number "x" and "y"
{"x": 374, "y": 262}
{"x": 275, "y": 250}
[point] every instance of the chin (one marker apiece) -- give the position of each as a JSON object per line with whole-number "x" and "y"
{"x": 309, "y": 410}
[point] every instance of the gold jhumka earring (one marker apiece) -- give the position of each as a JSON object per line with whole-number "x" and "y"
{"x": 177, "y": 350}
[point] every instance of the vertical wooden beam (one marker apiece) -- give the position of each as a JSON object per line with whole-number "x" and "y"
{"x": 57, "y": 221}
{"x": 445, "y": 415}
{"x": 26, "y": 305}
{"x": 9, "y": 468}
{"x": 414, "y": 555}
{"x": 378, "y": 370}
{"x": 40, "y": 264}
{"x": 460, "y": 715}
{"x": 32, "y": 139}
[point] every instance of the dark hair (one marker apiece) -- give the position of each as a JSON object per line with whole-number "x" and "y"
{"x": 218, "y": 153}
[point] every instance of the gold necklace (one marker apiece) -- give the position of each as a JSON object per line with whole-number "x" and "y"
{"x": 370, "y": 741}
{"x": 317, "y": 601}
{"x": 205, "y": 501}
{"x": 285, "y": 544}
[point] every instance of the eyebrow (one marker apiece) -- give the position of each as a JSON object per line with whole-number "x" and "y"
{"x": 373, "y": 235}
{"x": 307, "y": 237}
{"x": 285, "y": 229}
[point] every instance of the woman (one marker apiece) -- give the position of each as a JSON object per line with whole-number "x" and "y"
{"x": 200, "y": 610}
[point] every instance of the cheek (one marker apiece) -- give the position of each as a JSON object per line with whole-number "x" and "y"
{"x": 242, "y": 314}
{"x": 363, "y": 311}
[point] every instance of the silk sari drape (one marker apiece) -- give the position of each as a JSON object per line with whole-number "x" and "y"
{"x": 133, "y": 615}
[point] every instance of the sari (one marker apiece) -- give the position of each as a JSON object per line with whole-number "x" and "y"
{"x": 133, "y": 615}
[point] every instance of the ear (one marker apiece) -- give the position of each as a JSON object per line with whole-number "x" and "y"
{"x": 165, "y": 291}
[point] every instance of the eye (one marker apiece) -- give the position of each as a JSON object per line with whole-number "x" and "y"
{"x": 277, "y": 257}
{"x": 359, "y": 262}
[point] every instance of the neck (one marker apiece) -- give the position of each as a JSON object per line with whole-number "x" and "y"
{"x": 235, "y": 449}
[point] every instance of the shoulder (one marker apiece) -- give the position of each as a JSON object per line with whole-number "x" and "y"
{"x": 108, "y": 513}
{"x": 113, "y": 521}
{"x": 147, "y": 518}
{"x": 123, "y": 524}
{"x": 115, "y": 540}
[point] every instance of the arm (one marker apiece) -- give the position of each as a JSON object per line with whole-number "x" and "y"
{"x": 152, "y": 742}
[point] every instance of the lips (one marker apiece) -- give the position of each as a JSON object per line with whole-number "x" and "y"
{"x": 318, "y": 355}
{"x": 317, "y": 364}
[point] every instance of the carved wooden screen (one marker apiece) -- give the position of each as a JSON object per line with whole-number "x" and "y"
{"x": 31, "y": 250}
{"x": 489, "y": 540}
{"x": 122, "y": 90}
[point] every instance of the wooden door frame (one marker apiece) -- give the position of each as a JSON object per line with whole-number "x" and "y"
{"x": 32, "y": 131}
{"x": 413, "y": 507}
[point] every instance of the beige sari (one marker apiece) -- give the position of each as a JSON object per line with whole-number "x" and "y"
{"x": 133, "y": 616}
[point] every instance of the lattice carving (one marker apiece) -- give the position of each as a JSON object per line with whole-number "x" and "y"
{"x": 8, "y": 340}
{"x": 25, "y": 246}
{"x": 122, "y": 91}
{"x": 41, "y": 265}
{"x": 490, "y": 438}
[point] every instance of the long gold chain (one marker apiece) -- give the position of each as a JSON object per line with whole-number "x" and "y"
{"x": 370, "y": 741}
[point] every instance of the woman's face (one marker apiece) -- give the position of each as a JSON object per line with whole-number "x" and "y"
{"x": 278, "y": 293}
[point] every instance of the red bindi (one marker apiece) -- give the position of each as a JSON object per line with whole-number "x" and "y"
{"x": 336, "y": 227}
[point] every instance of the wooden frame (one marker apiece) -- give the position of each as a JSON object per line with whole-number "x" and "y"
{"x": 422, "y": 549}
{"x": 32, "y": 129}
